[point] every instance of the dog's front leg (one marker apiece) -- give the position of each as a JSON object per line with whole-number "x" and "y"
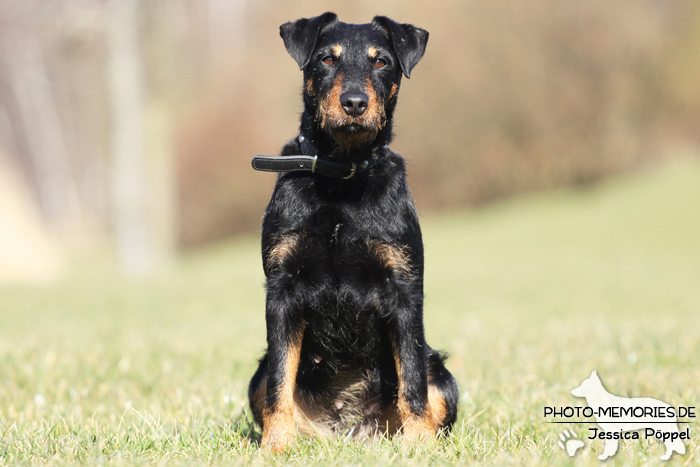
{"x": 285, "y": 329}
{"x": 409, "y": 348}
{"x": 402, "y": 303}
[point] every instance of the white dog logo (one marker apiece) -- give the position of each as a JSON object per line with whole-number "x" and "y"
{"x": 614, "y": 423}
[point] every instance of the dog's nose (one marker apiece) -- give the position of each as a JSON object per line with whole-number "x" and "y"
{"x": 354, "y": 103}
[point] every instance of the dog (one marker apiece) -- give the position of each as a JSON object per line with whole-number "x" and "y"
{"x": 342, "y": 252}
{"x": 615, "y": 424}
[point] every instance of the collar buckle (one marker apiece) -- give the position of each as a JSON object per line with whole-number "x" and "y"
{"x": 352, "y": 171}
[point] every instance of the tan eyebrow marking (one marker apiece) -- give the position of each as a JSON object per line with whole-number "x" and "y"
{"x": 337, "y": 50}
{"x": 372, "y": 52}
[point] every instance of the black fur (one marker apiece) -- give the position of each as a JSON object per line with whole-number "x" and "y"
{"x": 355, "y": 308}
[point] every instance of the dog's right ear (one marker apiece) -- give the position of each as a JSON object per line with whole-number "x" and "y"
{"x": 300, "y": 36}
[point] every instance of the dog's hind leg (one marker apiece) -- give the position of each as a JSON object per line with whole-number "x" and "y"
{"x": 440, "y": 410}
{"x": 443, "y": 392}
{"x": 257, "y": 391}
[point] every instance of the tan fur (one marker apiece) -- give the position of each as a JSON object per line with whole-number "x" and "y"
{"x": 305, "y": 416}
{"x": 372, "y": 52}
{"x": 393, "y": 257}
{"x": 394, "y": 91}
{"x": 337, "y": 50}
{"x": 279, "y": 428}
{"x": 429, "y": 423}
{"x": 330, "y": 111}
{"x": 283, "y": 247}
{"x": 333, "y": 118}
{"x": 375, "y": 109}
{"x": 437, "y": 405}
{"x": 404, "y": 409}
{"x": 418, "y": 426}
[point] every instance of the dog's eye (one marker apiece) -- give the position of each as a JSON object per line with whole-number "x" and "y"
{"x": 328, "y": 60}
{"x": 379, "y": 63}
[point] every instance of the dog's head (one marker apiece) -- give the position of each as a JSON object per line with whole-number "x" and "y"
{"x": 352, "y": 72}
{"x": 588, "y": 387}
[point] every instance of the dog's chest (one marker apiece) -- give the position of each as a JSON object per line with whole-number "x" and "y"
{"x": 344, "y": 319}
{"x": 346, "y": 252}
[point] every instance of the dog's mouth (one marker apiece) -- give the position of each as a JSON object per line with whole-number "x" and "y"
{"x": 356, "y": 127}
{"x": 351, "y": 132}
{"x": 353, "y": 135}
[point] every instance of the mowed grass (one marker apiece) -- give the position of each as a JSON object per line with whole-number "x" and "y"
{"x": 528, "y": 296}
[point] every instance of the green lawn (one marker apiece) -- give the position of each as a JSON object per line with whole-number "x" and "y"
{"x": 528, "y": 296}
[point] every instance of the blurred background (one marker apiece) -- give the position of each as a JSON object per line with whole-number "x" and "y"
{"x": 128, "y": 126}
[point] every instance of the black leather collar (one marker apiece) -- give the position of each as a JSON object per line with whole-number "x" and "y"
{"x": 316, "y": 164}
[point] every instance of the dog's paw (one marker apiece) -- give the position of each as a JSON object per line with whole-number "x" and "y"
{"x": 569, "y": 443}
{"x": 278, "y": 439}
{"x": 415, "y": 429}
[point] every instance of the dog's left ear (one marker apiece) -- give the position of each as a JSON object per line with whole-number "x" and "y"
{"x": 409, "y": 42}
{"x": 300, "y": 36}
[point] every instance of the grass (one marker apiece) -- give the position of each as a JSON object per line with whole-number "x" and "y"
{"x": 528, "y": 296}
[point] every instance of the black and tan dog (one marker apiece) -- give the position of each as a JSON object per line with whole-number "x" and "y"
{"x": 343, "y": 254}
